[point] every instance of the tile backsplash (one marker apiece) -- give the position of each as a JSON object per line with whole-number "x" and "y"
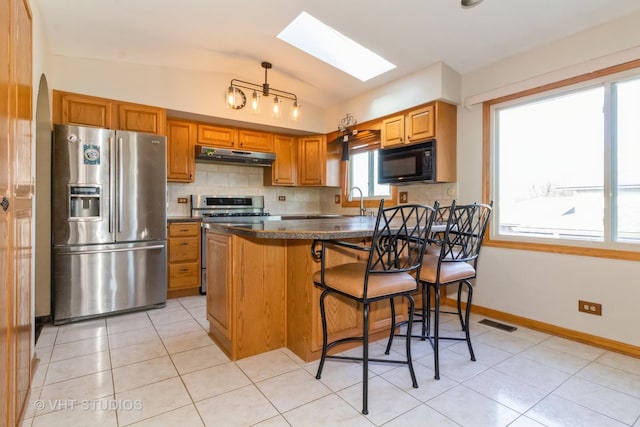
{"x": 218, "y": 179}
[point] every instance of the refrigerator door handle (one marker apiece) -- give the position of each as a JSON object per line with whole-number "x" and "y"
{"x": 111, "y": 189}
{"x": 120, "y": 186}
{"x": 103, "y": 251}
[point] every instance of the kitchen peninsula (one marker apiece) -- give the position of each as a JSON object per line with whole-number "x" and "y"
{"x": 260, "y": 292}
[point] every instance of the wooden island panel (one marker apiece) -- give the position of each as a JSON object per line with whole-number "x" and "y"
{"x": 246, "y": 293}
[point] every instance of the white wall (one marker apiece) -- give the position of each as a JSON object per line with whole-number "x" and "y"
{"x": 543, "y": 286}
{"x": 191, "y": 91}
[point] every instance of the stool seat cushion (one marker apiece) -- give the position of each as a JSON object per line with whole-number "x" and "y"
{"x": 348, "y": 278}
{"x": 449, "y": 271}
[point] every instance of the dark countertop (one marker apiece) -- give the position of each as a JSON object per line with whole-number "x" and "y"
{"x": 171, "y": 219}
{"x": 339, "y": 227}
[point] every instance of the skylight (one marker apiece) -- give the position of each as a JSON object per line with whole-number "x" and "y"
{"x": 325, "y": 43}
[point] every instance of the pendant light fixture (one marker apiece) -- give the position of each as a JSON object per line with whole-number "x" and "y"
{"x": 236, "y": 98}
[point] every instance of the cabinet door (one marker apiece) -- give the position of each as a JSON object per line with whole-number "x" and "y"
{"x": 283, "y": 171}
{"x": 219, "y": 283}
{"x": 312, "y": 157}
{"x": 141, "y": 118}
{"x": 421, "y": 124}
{"x": 82, "y": 110}
{"x": 393, "y": 131}
{"x": 257, "y": 141}
{"x": 217, "y": 136}
{"x": 180, "y": 151}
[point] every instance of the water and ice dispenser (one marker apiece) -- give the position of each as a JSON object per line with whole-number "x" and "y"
{"x": 84, "y": 202}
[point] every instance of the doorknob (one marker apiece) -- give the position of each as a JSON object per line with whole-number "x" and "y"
{"x": 5, "y": 203}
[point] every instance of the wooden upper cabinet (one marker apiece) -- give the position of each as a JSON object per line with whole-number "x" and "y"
{"x": 181, "y": 136}
{"x": 410, "y": 127}
{"x": 255, "y": 140}
{"x": 283, "y": 171}
{"x": 141, "y": 118}
{"x": 420, "y": 124}
{"x": 85, "y": 110}
{"x": 217, "y": 135}
{"x": 72, "y": 109}
{"x": 393, "y": 131}
{"x": 312, "y": 155}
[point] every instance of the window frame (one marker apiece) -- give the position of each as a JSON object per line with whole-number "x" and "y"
{"x": 587, "y": 248}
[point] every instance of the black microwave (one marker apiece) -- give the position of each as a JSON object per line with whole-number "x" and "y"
{"x": 412, "y": 163}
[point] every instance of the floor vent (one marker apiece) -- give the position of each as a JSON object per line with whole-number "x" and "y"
{"x": 498, "y": 325}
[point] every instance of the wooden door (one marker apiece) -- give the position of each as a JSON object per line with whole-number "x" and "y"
{"x": 217, "y": 136}
{"x": 15, "y": 215}
{"x": 393, "y": 131}
{"x": 283, "y": 171}
{"x": 421, "y": 124}
{"x": 22, "y": 211}
{"x": 254, "y": 140}
{"x": 5, "y": 173}
{"x": 141, "y": 118}
{"x": 180, "y": 151}
{"x": 71, "y": 109}
{"x": 312, "y": 160}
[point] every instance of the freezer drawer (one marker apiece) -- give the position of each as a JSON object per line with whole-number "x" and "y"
{"x": 96, "y": 280}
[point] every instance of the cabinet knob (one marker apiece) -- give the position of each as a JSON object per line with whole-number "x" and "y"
{"x": 184, "y": 244}
{"x": 5, "y": 203}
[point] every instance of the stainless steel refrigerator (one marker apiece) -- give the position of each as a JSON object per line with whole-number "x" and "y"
{"x": 108, "y": 222}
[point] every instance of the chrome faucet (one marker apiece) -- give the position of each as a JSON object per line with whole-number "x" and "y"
{"x": 363, "y": 211}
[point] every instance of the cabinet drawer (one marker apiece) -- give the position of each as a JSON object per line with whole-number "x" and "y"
{"x": 184, "y": 249}
{"x": 184, "y": 229}
{"x": 184, "y": 275}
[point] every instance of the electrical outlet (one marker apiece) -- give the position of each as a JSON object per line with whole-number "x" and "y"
{"x": 183, "y": 200}
{"x": 590, "y": 307}
{"x": 404, "y": 197}
{"x": 282, "y": 198}
{"x": 336, "y": 199}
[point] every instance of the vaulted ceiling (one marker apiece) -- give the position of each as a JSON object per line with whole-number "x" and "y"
{"x": 232, "y": 37}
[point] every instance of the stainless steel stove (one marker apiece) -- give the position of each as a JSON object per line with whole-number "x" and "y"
{"x": 225, "y": 209}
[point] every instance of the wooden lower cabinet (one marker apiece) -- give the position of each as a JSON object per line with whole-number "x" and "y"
{"x": 260, "y": 297}
{"x": 184, "y": 258}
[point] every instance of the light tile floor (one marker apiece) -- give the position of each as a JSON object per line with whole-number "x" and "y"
{"x": 160, "y": 368}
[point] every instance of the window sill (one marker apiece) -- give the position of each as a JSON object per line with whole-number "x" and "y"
{"x": 565, "y": 249}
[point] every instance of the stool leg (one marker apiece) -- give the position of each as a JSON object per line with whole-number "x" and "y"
{"x": 324, "y": 333}
{"x": 426, "y": 313}
{"x": 393, "y": 325}
{"x": 412, "y": 306}
{"x": 436, "y": 331}
{"x": 466, "y": 319}
{"x": 365, "y": 359}
{"x": 459, "y": 304}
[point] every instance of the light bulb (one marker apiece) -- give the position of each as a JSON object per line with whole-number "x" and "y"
{"x": 231, "y": 96}
{"x": 296, "y": 110}
{"x": 276, "y": 106}
{"x": 255, "y": 102}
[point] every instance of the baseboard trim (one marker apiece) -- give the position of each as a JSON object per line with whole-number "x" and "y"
{"x": 596, "y": 341}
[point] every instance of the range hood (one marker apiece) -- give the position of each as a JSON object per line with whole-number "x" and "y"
{"x": 231, "y": 156}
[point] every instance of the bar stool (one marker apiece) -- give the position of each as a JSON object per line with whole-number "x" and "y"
{"x": 391, "y": 270}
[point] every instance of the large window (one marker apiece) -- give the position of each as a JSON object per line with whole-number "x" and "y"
{"x": 565, "y": 164}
